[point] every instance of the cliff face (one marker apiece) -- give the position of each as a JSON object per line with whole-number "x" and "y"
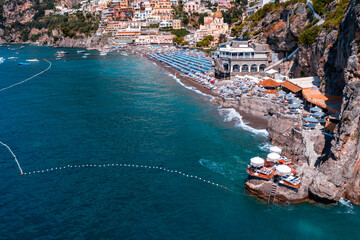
{"x": 25, "y": 21}
{"x": 341, "y": 172}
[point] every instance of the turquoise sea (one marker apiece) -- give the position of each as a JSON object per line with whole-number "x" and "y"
{"x": 125, "y": 109}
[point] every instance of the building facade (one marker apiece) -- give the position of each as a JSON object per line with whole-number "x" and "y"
{"x": 241, "y": 57}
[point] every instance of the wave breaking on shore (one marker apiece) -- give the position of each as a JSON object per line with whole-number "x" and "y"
{"x": 229, "y": 114}
{"x": 189, "y": 87}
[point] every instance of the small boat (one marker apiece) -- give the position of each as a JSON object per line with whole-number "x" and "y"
{"x": 87, "y": 54}
{"x": 2, "y": 59}
{"x": 84, "y": 56}
{"x": 11, "y": 58}
{"x": 103, "y": 53}
{"x": 80, "y": 51}
{"x": 32, "y": 60}
{"x": 22, "y": 63}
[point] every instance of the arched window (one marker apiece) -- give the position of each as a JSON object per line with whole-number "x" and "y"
{"x": 245, "y": 68}
{"x": 226, "y": 67}
{"x": 262, "y": 67}
{"x": 236, "y": 68}
{"x": 254, "y": 68}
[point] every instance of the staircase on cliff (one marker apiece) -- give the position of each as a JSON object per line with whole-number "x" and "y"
{"x": 272, "y": 194}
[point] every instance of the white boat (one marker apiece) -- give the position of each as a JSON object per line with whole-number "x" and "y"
{"x": 87, "y": 54}
{"x": 32, "y": 60}
{"x": 10, "y": 58}
{"x": 80, "y": 51}
{"x": 2, "y": 59}
{"x": 103, "y": 53}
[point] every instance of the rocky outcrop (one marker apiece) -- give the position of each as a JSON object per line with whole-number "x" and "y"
{"x": 339, "y": 175}
{"x": 330, "y": 167}
{"x": 69, "y": 3}
{"x": 255, "y": 106}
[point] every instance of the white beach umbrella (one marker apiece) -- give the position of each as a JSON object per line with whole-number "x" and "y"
{"x": 257, "y": 162}
{"x": 283, "y": 170}
{"x": 276, "y": 149}
{"x": 273, "y": 157}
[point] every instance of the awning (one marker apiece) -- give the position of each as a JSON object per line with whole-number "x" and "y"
{"x": 292, "y": 87}
{"x": 269, "y": 83}
{"x": 331, "y": 103}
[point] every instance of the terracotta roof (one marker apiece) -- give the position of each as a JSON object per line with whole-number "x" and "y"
{"x": 269, "y": 83}
{"x": 292, "y": 87}
{"x": 331, "y": 103}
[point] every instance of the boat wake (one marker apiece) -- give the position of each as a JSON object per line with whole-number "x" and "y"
{"x": 18, "y": 83}
{"x": 347, "y": 205}
{"x": 12, "y": 153}
{"x": 231, "y": 115}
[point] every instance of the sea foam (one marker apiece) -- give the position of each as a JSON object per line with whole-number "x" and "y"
{"x": 229, "y": 114}
{"x": 345, "y": 203}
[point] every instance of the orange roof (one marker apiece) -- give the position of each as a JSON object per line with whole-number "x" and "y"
{"x": 269, "y": 83}
{"x": 292, "y": 87}
{"x": 331, "y": 103}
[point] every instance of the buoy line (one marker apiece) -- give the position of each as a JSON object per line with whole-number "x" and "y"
{"x": 18, "y": 83}
{"x": 12, "y": 153}
{"x": 48, "y": 170}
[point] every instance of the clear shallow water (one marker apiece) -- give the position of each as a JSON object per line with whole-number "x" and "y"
{"x": 124, "y": 109}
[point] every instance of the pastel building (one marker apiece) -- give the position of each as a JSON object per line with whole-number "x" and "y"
{"x": 213, "y": 25}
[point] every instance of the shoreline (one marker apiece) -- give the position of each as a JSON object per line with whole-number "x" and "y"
{"x": 248, "y": 119}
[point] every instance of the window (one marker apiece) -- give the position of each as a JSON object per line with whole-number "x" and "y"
{"x": 262, "y": 67}
{"x": 245, "y": 68}
{"x": 254, "y": 68}
{"x": 236, "y": 68}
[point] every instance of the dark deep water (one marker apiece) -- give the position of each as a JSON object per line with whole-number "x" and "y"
{"x": 124, "y": 109}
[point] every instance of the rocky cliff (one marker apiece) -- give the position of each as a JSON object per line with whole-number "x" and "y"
{"x": 339, "y": 174}
{"x": 329, "y": 166}
{"x": 35, "y": 21}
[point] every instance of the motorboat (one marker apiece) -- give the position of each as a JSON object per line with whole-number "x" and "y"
{"x": 80, "y": 51}
{"x": 32, "y": 60}
{"x": 23, "y": 63}
{"x": 103, "y": 53}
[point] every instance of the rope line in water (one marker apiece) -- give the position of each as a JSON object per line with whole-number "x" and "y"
{"x": 18, "y": 83}
{"x": 17, "y": 162}
{"x": 132, "y": 166}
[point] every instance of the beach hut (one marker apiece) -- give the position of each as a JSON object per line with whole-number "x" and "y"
{"x": 270, "y": 85}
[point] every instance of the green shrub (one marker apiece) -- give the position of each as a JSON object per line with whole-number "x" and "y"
{"x": 319, "y": 6}
{"x": 180, "y": 32}
{"x": 309, "y": 36}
